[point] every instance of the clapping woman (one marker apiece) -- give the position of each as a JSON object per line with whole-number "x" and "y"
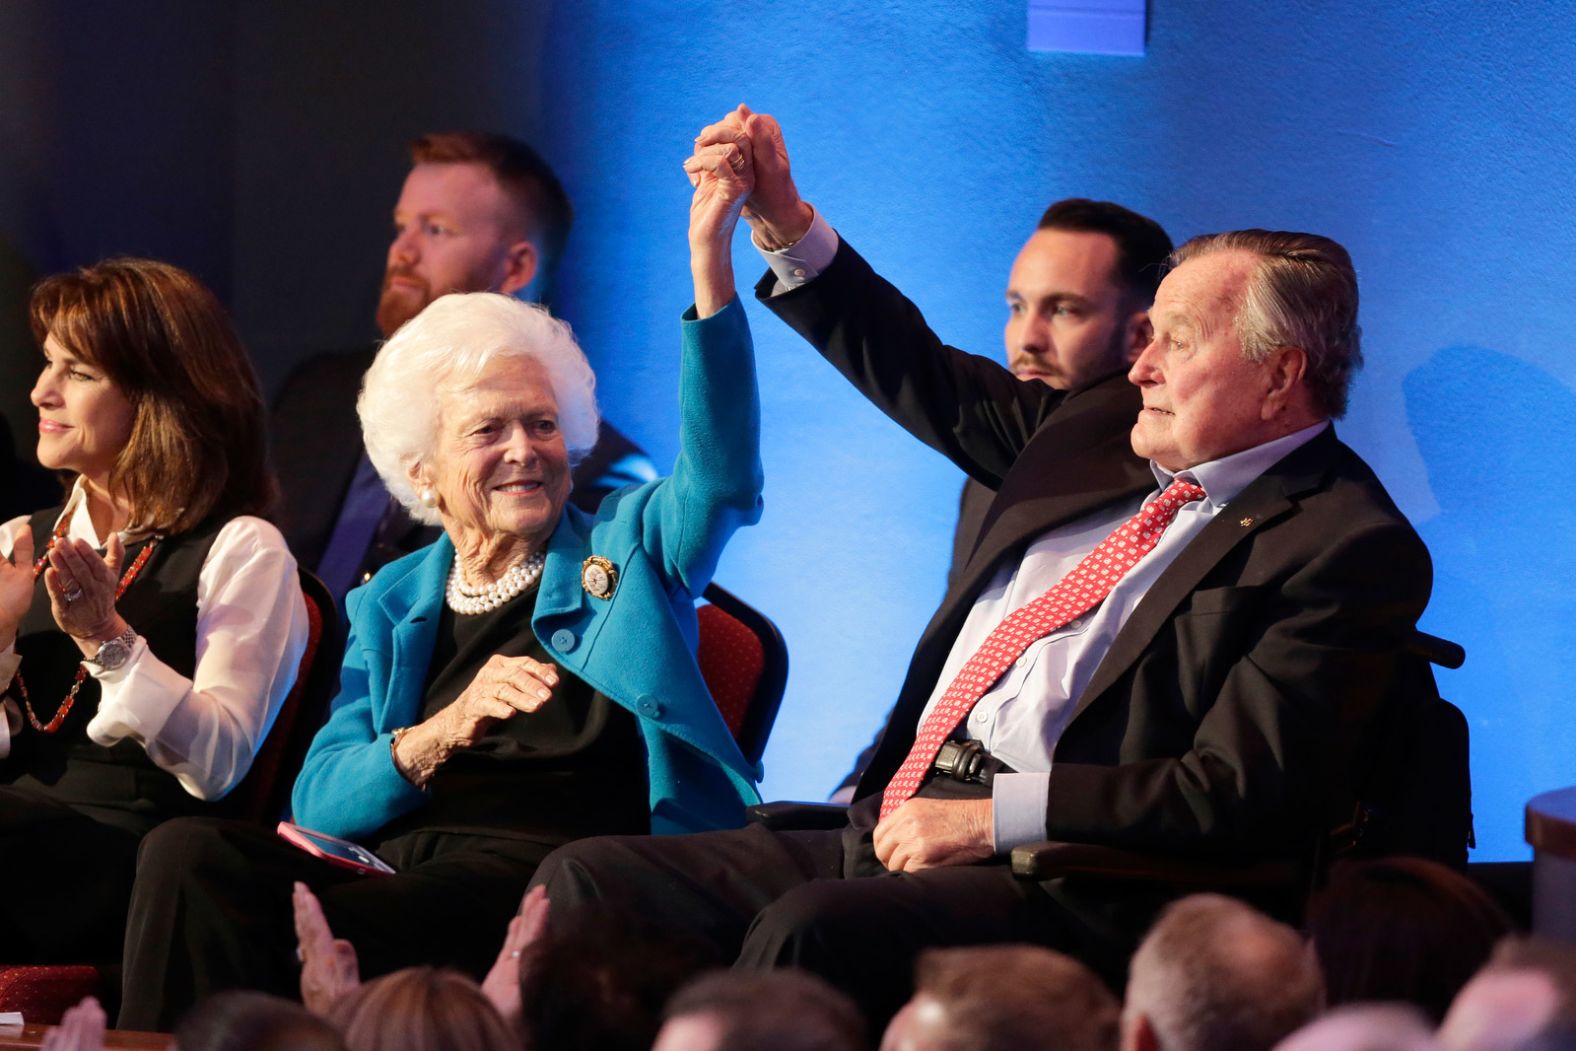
{"x": 150, "y": 625}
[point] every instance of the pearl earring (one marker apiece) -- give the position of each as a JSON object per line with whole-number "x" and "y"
{"x": 428, "y": 498}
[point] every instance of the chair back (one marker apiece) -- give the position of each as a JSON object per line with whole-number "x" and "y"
{"x": 1417, "y": 797}
{"x": 744, "y": 661}
{"x": 264, "y": 793}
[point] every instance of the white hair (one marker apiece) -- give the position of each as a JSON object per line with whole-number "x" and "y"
{"x": 438, "y": 353}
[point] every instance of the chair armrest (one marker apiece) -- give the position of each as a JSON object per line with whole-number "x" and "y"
{"x": 790, "y": 816}
{"x": 1050, "y": 859}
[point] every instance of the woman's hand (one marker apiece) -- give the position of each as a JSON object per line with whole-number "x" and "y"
{"x": 502, "y": 984}
{"x": 329, "y": 968}
{"x": 723, "y": 175}
{"x": 504, "y": 686}
{"x": 81, "y": 588}
{"x": 16, "y": 586}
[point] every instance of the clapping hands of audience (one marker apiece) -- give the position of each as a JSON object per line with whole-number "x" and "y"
{"x": 502, "y": 984}
{"x": 81, "y": 1028}
{"x": 329, "y": 968}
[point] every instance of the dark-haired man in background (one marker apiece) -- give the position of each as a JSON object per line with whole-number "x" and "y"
{"x": 479, "y": 212}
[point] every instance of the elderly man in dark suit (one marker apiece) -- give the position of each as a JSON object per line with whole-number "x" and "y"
{"x": 1078, "y": 300}
{"x": 479, "y": 212}
{"x": 1187, "y": 606}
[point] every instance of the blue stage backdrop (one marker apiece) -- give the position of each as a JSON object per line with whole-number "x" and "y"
{"x": 1433, "y": 139}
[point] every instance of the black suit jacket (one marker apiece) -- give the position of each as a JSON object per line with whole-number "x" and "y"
{"x": 1230, "y": 711}
{"x": 316, "y": 439}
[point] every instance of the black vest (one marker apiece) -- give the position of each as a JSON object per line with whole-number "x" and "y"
{"x": 119, "y": 784}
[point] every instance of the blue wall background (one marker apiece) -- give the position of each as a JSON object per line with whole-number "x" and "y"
{"x": 1433, "y": 139}
{"x": 261, "y": 145}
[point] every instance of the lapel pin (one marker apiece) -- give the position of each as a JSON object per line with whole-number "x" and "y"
{"x": 1247, "y": 523}
{"x": 598, "y": 577}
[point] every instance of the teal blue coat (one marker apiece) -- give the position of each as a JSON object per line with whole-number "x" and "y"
{"x": 637, "y": 647}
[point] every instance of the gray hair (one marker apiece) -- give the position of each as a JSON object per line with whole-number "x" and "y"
{"x": 1006, "y": 997}
{"x": 1302, "y": 294}
{"x": 1215, "y": 973}
{"x": 438, "y": 353}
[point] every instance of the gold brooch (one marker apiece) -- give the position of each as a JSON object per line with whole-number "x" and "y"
{"x": 598, "y": 577}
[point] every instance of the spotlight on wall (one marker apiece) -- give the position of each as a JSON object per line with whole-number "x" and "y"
{"x": 1091, "y": 27}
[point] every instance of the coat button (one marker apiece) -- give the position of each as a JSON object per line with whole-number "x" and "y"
{"x": 649, "y": 706}
{"x": 564, "y": 640}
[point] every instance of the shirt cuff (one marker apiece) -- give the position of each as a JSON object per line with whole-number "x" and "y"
{"x": 137, "y": 698}
{"x": 1018, "y": 809}
{"x": 802, "y": 261}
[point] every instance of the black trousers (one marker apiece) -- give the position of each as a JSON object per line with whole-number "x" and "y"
{"x": 65, "y": 878}
{"x": 211, "y": 910}
{"x": 821, "y": 901}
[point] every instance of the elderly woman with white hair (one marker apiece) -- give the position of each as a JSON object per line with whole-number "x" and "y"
{"x": 527, "y": 680}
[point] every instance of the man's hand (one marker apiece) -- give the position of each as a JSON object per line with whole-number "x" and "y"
{"x": 776, "y": 212}
{"x": 502, "y": 984}
{"x": 329, "y": 968}
{"x": 929, "y": 833}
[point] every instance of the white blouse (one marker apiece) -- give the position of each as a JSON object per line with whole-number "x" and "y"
{"x": 251, "y": 632}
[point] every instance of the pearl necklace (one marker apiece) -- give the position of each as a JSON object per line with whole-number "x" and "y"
{"x": 518, "y": 579}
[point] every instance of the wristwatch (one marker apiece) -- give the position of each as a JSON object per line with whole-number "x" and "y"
{"x": 114, "y": 652}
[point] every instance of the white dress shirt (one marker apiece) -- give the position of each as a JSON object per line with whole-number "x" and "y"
{"x": 1022, "y": 715}
{"x": 251, "y": 632}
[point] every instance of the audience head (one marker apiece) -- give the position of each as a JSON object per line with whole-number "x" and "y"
{"x": 420, "y": 1009}
{"x": 1365, "y": 1027}
{"x": 479, "y": 212}
{"x": 248, "y": 1021}
{"x": 1255, "y": 337}
{"x": 783, "y": 1010}
{"x": 1079, "y": 293}
{"x": 1402, "y": 929}
{"x": 468, "y": 362}
{"x": 597, "y": 980}
{"x": 1004, "y": 998}
{"x": 1524, "y": 999}
{"x": 1213, "y": 974}
{"x": 147, "y": 393}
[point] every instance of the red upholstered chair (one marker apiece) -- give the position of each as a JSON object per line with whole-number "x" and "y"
{"x": 42, "y": 993}
{"x": 744, "y": 661}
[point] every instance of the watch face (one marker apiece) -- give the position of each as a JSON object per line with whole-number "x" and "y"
{"x": 115, "y": 652}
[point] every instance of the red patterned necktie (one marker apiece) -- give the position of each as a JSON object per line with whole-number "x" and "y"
{"x": 1069, "y": 598}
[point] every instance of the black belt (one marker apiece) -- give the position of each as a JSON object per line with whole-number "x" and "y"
{"x": 966, "y": 761}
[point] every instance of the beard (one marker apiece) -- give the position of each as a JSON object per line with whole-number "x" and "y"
{"x": 398, "y": 305}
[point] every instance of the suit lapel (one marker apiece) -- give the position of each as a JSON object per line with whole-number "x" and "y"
{"x": 1264, "y": 501}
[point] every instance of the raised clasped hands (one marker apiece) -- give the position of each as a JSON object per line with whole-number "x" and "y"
{"x": 774, "y": 209}
{"x": 929, "y": 833}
